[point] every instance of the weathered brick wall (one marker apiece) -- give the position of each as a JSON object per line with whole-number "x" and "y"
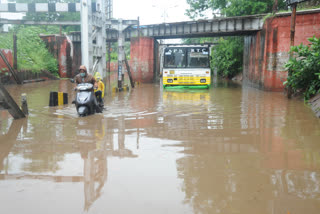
{"x": 141, "y": 63}
{"x": 142, "y": 59}
{"x": 266, "y": 52}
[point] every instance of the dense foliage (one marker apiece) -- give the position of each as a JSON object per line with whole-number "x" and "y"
{"x": 305, "y": 68}
{"x": 32, "y": 52}
{"x": 232, "y": 7}
{"x": 227, "y": 56}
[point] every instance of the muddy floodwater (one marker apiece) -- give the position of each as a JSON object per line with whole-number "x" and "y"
{"x": 229, "y": 149}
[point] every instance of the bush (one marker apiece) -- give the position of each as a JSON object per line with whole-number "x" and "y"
{"x": 227, "y": 57}
{"x": 32, "y": 52}
{"x": 304, "y": 69}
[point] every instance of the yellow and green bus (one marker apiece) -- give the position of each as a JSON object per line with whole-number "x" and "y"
{"x": 186, "y": 66}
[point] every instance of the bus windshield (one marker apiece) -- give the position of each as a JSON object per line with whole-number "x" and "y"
{"x": 175, "y": 57}
{"x": 198, "y": 57}
{"x": 186, "y": 57}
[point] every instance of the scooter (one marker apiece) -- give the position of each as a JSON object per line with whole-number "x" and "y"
{"x": 85, "y": 99}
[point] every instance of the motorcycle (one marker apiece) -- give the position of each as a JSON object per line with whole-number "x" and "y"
{"x": 85, "y": 101}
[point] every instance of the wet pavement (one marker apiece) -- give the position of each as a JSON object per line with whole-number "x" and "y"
{"x": 229, "y": 149}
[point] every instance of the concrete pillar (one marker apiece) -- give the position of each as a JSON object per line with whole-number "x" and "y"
{"x": 142, "y": 59}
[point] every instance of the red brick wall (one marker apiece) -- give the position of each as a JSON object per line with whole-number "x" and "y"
{"x": 267, "y": 51}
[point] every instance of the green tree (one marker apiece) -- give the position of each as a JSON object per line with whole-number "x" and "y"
{"x": 227, "y": 56}
{"x": 232, "y": 7}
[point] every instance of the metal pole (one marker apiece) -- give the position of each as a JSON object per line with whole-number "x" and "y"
{"x": 15, "y": 51}
{"x": 138, "y": 29}
{"x": 129, "y": 72}
{"x": 14, "y": 74}
{"x": 293, "y": 24}
{"x": 10, "y": 104}
{"x": 292, "y": 32}
{"x": 86, "y": 31}
{"x": 109, "y": 57}
{"x": 120, "y": 54}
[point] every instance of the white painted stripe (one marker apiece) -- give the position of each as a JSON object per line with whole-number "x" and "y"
{"x": 22, "y": 7}
{"x": 41, "y": 7}
{"x": 61, "y": 7}
{"x": 3, "y": 7}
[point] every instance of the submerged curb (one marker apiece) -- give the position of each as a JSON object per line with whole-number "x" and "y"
{"x": 315, "y": 105}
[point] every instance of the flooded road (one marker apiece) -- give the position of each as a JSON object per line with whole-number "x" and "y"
{"x": 229, "y": 149}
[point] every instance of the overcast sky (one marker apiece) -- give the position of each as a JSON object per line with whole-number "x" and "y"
{"x": 151, "y": 11}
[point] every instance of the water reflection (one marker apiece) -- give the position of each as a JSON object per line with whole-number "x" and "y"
{"x": 253, "y": 155}
{"x": 28, "y": 154}
{"x": 230, "y": 150}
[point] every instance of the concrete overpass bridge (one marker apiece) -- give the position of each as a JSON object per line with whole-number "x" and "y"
{"x": 231, "y": 26}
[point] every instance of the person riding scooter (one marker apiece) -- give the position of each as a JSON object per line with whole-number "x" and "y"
{"x": 99, "y": 89}
{"x": 85, "y": 77}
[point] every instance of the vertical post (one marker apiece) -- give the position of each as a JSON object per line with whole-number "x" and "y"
{"x": 293, "y": 24}
{"x": 86, "y": 31}
{"x": 15, "y": 51}
{"x": 109, "y": 57}
{"x": 138, "y": 28}
{"x": 101, "y": 39}
{"x": 120, "y": 54}
{"x": 292, "y": 32}
{"x": 24, "y": 104}
{"x": 129, "y": 72}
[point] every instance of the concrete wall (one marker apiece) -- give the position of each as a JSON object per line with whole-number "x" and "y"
{"x": 141, "y": 64}
{"x": 266, "y": 52}
{"x": 141, "y": 54}
{"x": 142, "y": 59}
{"x": 60, "y": 48}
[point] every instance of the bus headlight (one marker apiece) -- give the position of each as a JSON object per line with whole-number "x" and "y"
{"x": 169, "y": 80}
{"x": 203, "y": 80}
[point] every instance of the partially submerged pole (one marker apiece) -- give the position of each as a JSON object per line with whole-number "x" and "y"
{"x": 129, "y": 71}
{"x": 24, "y": 104}
{"x": 12, "y": 71}
{"x": 7, "y": 102}
{"x": 120, "y": 55}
